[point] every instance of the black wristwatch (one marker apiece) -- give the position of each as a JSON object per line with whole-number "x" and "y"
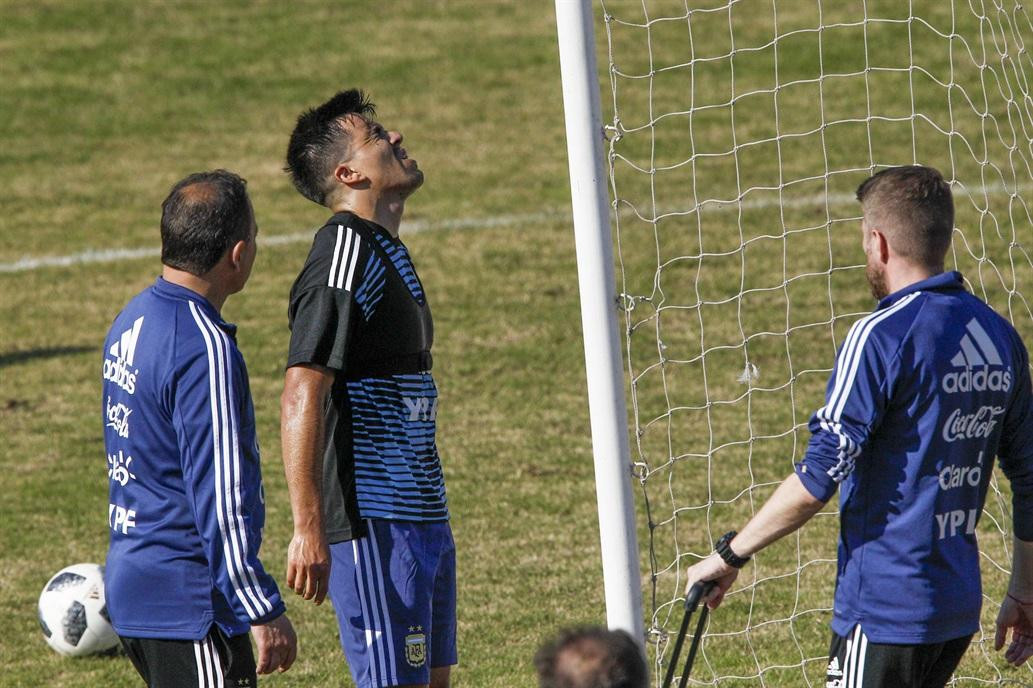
{"x": 724, "y": 549}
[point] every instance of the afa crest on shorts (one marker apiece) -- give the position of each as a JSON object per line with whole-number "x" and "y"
{"x": 416, "y": 649}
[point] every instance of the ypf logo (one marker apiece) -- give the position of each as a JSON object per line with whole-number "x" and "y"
{"x": 980, "y": 362}
{"x": 119, "y": 367}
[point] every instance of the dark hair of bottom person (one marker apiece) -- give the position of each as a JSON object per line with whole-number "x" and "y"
{"x": 915, "y": 207}
{"x": 591, "y": 657}
{"x": 204, "y": 214}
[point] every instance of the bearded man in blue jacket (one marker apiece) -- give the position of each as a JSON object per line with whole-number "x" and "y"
{"x": 926, "y": 392}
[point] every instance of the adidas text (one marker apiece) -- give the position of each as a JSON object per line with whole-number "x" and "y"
{"x": 118, "y": 373}
{"x": 977, "y": 380}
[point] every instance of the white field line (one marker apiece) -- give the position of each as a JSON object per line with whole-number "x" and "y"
{"x": 113, "y": 255}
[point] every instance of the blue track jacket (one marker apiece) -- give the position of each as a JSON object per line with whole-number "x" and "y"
{"x": 186, "y": 506}
{"x": 925, "y": 393}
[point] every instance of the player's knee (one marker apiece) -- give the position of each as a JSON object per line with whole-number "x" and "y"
{"x": 439, "y": 677}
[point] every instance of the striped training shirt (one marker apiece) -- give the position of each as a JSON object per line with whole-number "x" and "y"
{"x": 358, "y": 308}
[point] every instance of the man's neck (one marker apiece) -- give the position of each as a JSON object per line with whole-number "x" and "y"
{"x": 384, "y": 211}
{"x": 199, "y": 285}
{"x": 905, "y": 275}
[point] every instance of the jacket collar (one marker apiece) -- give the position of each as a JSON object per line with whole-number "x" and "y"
{"x": 174, "y": 291}
{"x": 945, "y": 281}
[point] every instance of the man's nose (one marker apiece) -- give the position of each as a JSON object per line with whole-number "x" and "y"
{"x": 395, "y": 137}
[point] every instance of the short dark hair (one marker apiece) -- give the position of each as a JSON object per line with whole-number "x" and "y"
{"x": 591, "y": 657}
{"x": 913, "y": 206}
{"x": 203, "y": 216}
{"x": 319, "y": 141}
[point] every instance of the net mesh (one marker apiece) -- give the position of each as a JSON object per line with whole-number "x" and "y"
{"x": 738, "y": 132}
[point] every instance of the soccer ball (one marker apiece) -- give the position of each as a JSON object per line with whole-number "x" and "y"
{"x": 72, "y": 612}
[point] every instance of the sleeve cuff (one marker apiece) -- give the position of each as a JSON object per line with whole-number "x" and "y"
{"x": 279, "y": 609}
{"x": 306, "y": 357}
{"x": 818, "y": 483}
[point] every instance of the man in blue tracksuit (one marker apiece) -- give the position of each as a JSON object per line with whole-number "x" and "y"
{"x": 925, "y": 393}
{"x": 183, "y": 581}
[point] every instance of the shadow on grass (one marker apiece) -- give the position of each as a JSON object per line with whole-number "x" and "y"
{"x": 15, "y": 357}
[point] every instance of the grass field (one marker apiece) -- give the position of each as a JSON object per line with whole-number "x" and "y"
{"x": 103, "y": 105}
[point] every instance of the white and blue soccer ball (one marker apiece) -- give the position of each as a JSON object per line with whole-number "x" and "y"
{"x": 72, "y": 612}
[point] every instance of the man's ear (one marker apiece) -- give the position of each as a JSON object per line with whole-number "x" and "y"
{"x": 348, "y": 175}
{"x": 236, "y": 254}
{"x": 881, "y": 246}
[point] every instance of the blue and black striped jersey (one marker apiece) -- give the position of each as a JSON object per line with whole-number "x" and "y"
{"x": 358, "y": 308}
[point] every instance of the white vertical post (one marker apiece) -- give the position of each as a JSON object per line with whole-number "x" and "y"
{"x": 599, "y": 317}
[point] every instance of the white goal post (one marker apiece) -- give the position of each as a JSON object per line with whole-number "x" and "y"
{"x": 599, "y": 316}
{"x": 735, "y": 135}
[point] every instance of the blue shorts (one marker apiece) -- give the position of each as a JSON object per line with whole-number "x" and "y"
{"x": 394, "y": 593}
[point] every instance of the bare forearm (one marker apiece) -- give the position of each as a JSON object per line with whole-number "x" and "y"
{"x": 1022, "y": 570}
{"x": 787, "y": 509}
{"x": 301, "y": 431}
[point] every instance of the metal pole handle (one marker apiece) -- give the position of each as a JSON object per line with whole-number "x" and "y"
{"x": 698, "y": 591}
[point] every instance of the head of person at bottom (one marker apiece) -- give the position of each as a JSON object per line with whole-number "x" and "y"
{"x": 907, "y": 223}
{"x": 591, "y": 657}
{"x": 209, "y": 234}
{"x": 339, "y": 156}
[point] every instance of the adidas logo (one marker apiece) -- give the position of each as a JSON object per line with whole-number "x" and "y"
{"x": 118, "y": 369}
{"x": 834, "y": 671}
{"x": 976, "y": 355}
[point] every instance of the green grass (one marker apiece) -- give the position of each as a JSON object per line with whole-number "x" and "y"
{"x": 104, "y": 104}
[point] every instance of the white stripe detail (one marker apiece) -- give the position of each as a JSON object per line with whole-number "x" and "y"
{"x": 200, "y": 664}
{"x": 352, "y": 262}
{"x": 971, "y": 355}
{"x": 229, "y": 397}
{"x": 872, "y": 321}
{"x": 231, "y": 465}
{"x": 984, "y": 342}
{"x": 850, "y": 357}
{"x": 851, "y": 659}
{"x": 213, "y": 667}
{"x": 861, "y": 659}
{"x": 378, "y": 612}
{"x": 218, "y": 431}
{"x": 227, "y": 468}
{"x": 367, "y": 621}
{"x": 337, "y": 253}
{"x": 344, "y": 258}
{"x": 389, "y": 631}
{"x": 249, "y": 572}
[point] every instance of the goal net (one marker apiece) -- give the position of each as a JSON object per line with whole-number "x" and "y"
{"x": 738, "y": 133}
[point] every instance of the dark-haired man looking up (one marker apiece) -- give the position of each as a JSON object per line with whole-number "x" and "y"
{"x": 183, "y": 582}
{"x": 358, "y": 411}
{"x": 925, "y": 393}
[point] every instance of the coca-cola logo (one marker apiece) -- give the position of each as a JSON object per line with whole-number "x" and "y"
{"x": 968, "y": 426}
